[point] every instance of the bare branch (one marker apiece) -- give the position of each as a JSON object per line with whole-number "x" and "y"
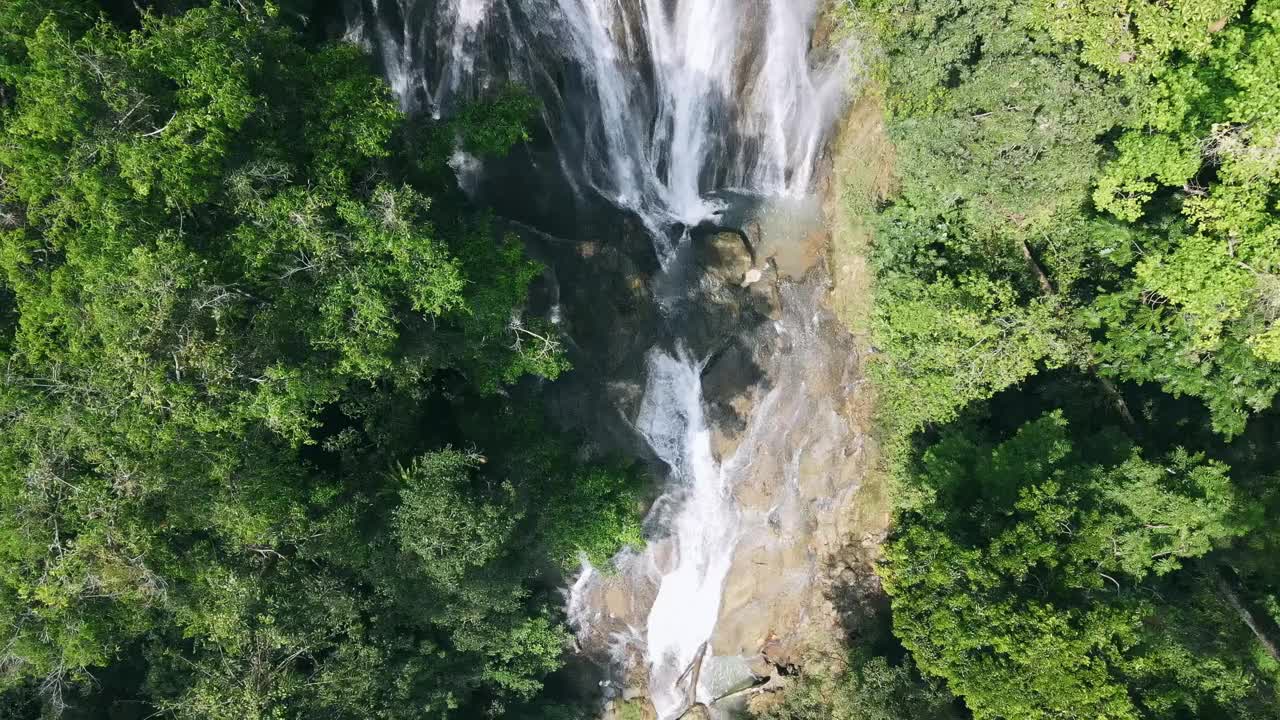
{"x": 157, "y": 131}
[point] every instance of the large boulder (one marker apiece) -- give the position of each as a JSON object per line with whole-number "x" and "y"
{"x": 697, "y": 712}
{"x": 725, "y": 257}
{"x": 728, "y": 294}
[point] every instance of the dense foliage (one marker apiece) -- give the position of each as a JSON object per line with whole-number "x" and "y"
{"x": 1078, "y": 288}
{"x": 871, "y": 688}
{"x": 257, "y": 460}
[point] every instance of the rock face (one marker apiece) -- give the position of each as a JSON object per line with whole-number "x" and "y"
{"x": 724, "y": 258}
{"x": 783, "y": 398}
{"x": 782, "y": 387}
{"x": 597, "y": 288}
{"x": 806, "y": 455}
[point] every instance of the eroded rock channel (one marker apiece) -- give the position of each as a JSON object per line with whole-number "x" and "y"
{"x": 780, "y": 382}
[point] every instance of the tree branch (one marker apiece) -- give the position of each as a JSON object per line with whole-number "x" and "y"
{"x": 1245, "y": 616}
{"x": 1047, "y": 288}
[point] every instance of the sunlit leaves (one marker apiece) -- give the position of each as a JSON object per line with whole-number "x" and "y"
{"x": 1004, "y": 578}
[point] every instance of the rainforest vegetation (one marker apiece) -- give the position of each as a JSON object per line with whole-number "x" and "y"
{"x": 270, "y": 443}
{"x": 1077, "y": 318}
{"x": 264, "y": 452}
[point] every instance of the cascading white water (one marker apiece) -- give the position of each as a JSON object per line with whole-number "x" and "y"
{"x": 676, "y": 99}
{"x": 696, "y": 96}
{"x": 656, "y": 106}
{"x": 704, "y": 528}
{"x": 428, "y": 52}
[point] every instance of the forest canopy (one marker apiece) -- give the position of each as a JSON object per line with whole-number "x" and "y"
{"x": 272, "y": 446}
{"x": 1077, "y": 297}
{"x": 247, "y": 326}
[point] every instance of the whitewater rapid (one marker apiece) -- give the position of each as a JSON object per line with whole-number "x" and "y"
{"x": 658, "y": 107}
{"x": 705, "y": 528}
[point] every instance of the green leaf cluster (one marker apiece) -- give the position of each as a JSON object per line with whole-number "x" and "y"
{"x": 1038, "y": 579}
{"x": 1121, "y": 194}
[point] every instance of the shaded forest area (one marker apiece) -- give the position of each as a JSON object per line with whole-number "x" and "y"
{"x": 267, "y": 448}
{"x": 1077, "y": 296}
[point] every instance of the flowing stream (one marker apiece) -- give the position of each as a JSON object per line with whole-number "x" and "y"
{"x": 704, "y": 529}
{"x": 658, "y": 107}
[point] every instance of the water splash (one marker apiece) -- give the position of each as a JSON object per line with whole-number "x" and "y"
{"x": 704, "y": 528}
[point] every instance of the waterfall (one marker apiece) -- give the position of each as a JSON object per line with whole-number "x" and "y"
{"x": 654, "y": 104}
{"x": 705, "y": 527}
{"x": 659, "y": 107}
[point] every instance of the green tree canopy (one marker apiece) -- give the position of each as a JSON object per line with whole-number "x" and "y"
{"x": 229, "y": 311}
{"x": 1028, "y": 576}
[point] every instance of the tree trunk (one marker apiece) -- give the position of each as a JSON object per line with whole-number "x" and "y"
{"x": 1047, "y": 288}
{"x": 1246, "y": 617}
{"x": 695, "y": 668}
{"x": 1114, "y": 393}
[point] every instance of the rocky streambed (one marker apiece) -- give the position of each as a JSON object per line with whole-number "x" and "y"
{"x": 784, "y": 402}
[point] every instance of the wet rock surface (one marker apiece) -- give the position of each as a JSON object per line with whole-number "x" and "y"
{"x": 597, "y": 289}
{"x": 724, "y": 258}
{"x": 803, "y": 466}
{"x": 781, "y": 382}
